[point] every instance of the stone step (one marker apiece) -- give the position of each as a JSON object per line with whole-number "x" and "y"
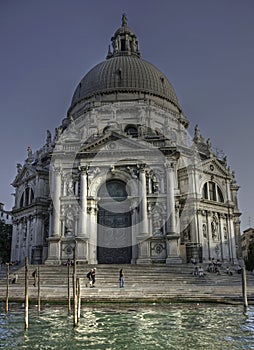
{"x": 146, "y": 282}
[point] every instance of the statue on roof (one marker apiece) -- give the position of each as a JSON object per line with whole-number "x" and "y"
{"x": 48, "y": 140}
{"x": 29, "y": 152}
{"x": 124, "y": 20}
{"x": 197, "y": 135}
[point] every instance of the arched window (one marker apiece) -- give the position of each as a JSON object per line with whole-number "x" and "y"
{"x": 31, "y": 196}
{"x": 220, "y": 195}
{"x": 115, "y": 189}
{"x": 27, "y": 197}
{"x": 21, "y": 203}
{"x": 212, "y": 192}
{"x": 131, "y": 130}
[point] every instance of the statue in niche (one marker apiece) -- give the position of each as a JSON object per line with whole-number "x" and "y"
{"x": 157, "y": 220}
{"x": 155, "y": 184}
{"x": 204, "y": 230}
{"x": 70, "y": 187}
{"x": 214, "y": 226}
{"x": 69, "y": 221}
{"x": 225, "y": 234}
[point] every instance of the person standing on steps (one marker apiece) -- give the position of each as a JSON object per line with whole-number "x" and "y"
{"x": 89, "y": 277}
{"x": 93, "y": 271}
{"x": 121, "y": 278}
{"x": 35, "y": 276}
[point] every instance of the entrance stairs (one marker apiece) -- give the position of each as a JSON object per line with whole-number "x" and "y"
{"x": 143, "y": 283}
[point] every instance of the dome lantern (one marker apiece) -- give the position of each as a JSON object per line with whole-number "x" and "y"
{"x": 124, "y": 41}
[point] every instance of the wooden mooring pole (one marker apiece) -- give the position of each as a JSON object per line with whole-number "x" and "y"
{"x": 75, "y": 321}
{"x": 26, "y": 294}
{"x": 7, "y": 288}
{"x": 69, "y": 292}
{"x": 244, "y": 288}
{"x": 79, "y": 300}
{"x": 39, "y": 289}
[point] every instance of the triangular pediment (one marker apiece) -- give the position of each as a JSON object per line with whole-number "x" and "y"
{"x": 24, "y": 174}
{"x": 114, "y": 142}
{"x": 213, "y": 166}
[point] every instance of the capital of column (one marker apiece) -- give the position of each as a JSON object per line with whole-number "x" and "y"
{"x": 57, "y": 170}
{"x": 170, "y": 165}
{"x": 83, "y": 169}
{"x": 143, "y": 168}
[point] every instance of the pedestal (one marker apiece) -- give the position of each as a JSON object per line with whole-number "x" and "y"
{"x": 144, "y": 256}
{"x": 173, "y": 252}
{"x": 54, "y": 251}
{"x": 81, "y": 250}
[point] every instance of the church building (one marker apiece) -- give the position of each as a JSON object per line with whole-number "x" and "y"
{"x": 121, "y": 181}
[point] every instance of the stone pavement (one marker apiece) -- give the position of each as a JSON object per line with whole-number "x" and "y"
{"x": 143, "y": 283}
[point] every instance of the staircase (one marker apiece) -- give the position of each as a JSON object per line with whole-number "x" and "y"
{"x": 151, "y": 283}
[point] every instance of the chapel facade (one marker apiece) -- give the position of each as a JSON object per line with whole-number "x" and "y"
{"x": 122, "y": 181}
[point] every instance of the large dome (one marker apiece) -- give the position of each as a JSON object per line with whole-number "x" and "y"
{"x": 124, "y": 71}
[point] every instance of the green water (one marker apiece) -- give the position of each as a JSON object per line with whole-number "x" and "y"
{"x": 133, "y": 326}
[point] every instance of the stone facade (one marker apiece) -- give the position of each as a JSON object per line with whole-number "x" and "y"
{"x": 246, "y": 239}
{"x": 122, "y": 181}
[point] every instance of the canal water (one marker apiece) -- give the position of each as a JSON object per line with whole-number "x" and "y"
{"x": 132, "y": 326}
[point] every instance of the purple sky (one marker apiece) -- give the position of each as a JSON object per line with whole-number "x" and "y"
{"x": 205, "y": 48}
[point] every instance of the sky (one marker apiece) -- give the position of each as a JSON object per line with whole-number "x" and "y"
{"x": 204, "y": 47}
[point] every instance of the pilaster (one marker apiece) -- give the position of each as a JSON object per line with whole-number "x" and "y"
{"x": 83, "y": 203}
{"x": 56, "y": 202}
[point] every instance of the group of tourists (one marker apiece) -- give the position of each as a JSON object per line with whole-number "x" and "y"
{"x": 213, "y": 266}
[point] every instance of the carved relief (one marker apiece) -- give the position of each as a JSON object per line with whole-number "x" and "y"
{"x": 158, "y": 249}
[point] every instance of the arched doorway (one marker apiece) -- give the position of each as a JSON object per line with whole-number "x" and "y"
{"x": 114, "y": 244}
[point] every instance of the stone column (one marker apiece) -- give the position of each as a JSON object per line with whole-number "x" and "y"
{"x": 56, "y": 202}
{"x": 170, "y": 181}
{"x": 92, "y": 259}
{"x": 134, "y": 228}
{"x": 232, "y": 239}
{"x": 82, "y": 239}
{"x": 144, "y": 243}
{"x": 220, "y": 237}
{"x": 228, "y": 190}
{"x": 144, "y": 216}
{"x": 173, "y": 251}
{"x": 83, "y": 203}
{"x": 54, "y": 239}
